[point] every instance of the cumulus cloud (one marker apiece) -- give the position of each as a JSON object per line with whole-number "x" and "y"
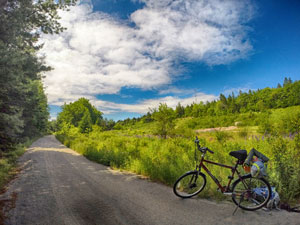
{"x": 143, "y": 107}
{"x": 209, "y": 31}
{"x": 99, "y": 54}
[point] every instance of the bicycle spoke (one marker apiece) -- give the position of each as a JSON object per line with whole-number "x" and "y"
{"x": 189, "y": 185}
{"x": 251, "y": 193}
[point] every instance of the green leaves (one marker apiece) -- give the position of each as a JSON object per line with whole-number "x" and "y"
{"x": 253, "y": 101}
{"x": 164, "y": 117}
{"x": 80, "y": 114}
{"x": 23, "y": 104}
{"x": 85, "y": 124}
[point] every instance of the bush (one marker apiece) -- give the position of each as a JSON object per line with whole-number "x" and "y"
{"x": 222, "y": 136}
{"x": 286, "y": 170}
{"x": 164, "y": 117}
{"x": 243, "y": 132}
{"x": 8, "y": 163}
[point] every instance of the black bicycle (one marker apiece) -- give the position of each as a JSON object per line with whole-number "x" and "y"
{"x": 247, "y": 192}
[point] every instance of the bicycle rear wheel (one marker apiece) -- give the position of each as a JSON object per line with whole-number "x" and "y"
{"x": 251, "y": 193}
{"x": 189, "y": 184}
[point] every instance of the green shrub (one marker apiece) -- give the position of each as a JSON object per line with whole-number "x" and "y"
{"x": 286, "y": 167}
{"x": 243, "y": 132}
{"x": 222, "y": 136}
{"x": 8, "y": 163}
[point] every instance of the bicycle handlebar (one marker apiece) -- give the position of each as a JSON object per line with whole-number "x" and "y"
{"x": 207, "y": 149}
{"x": 202, "y": 149}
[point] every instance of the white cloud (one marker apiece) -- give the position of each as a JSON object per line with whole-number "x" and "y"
{"x": 236, "y": 91}
{"x": 209, "y": 31}
{"x": 143, "y": 107}
{"x": 99, "y": 54}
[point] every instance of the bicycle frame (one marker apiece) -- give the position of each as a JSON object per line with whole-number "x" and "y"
{"x": 233, "y": 169}
{"x": 242, "y": 190}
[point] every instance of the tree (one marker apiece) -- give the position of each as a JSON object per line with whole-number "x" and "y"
{"x": 52, "y": 126}
{"x": 35, "y": 110}
{"x": 147, "y": 118}
{"x": 85, "y": 124}
{"x": 179, "y": 110}
{"x": 80, "y": 114}
{"x": 287, "y": 81}
{"x": 106, "y": 124}
{"x": 164, "y": 117}
{"x": 23, "y": 104}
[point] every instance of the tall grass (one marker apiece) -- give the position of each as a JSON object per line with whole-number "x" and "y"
{"x": 8, "y": 163}
{"x": 165, "y": 160}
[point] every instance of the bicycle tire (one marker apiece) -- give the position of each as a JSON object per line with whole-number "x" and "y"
{"x": 248, "y": 197}
{"x": 189, "y": 184}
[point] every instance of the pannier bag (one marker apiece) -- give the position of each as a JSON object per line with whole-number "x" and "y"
{"x": 258, "y": 160}
{"x": 256, "y": 153}
{"x": 262, "y": 193}
{"x": 258, "y": 169}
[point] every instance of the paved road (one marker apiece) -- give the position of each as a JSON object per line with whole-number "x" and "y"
{"x": 58, "y": 186}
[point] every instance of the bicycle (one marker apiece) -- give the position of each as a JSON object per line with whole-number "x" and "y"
{"x": 244, "y": 190}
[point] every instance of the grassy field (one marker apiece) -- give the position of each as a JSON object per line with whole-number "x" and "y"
{"x": 136, "y": 148}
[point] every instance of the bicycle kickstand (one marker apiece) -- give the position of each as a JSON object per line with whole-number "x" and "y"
{"x": 241, "y": 199}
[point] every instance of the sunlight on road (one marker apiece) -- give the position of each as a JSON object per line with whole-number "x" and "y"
{"x": 60, "y": 149}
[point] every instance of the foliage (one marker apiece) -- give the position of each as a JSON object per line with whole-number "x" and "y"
{"x": 243, "y": 132}
{"x": 286, "y": 167}
{"x": 222, "y": 136}
{"x": 179, "y": 111}
{"x": 281, "y": 122}
{"x": 23, "y": 104}
{"x": 164, "y": 117}
{"x": 22, "y": 101}
{"x": 80, "y": 114}
{"x": 52, "y": 126}
{"x": 8, "y": 163}
{"x": 252, "y": 105}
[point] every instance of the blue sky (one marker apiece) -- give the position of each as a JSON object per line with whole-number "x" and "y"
{"x": 128, "y": 56}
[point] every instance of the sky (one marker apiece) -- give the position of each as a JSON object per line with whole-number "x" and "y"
{"x": 127, "y": 56}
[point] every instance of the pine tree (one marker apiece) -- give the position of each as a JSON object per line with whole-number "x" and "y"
{"x": 23, "y": 104}
{"x": 179, "y": 110}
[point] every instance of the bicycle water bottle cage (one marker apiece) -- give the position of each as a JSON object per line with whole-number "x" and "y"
{"x": 241, "y": 155}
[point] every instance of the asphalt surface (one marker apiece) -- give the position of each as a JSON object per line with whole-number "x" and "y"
{"x": 58, "y": 186}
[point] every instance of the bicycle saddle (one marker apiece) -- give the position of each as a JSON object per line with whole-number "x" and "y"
{"x": 240, "y": 154}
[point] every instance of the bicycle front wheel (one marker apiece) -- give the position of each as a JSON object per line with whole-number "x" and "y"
{"x": 251, "y": 193}
{"x": 189, "y": 184}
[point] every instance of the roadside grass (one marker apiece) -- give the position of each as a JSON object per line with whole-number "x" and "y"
{"x": 164, "y": 160}
{"x": 8, "y": 163}
{"x": 8, "y": 171}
